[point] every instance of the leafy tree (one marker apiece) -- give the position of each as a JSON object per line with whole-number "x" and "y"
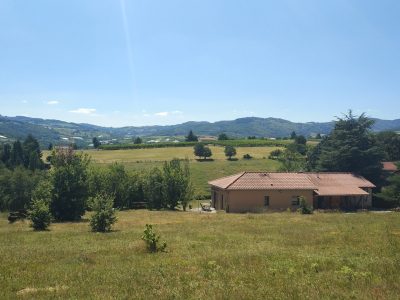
{"x": 43, "y": 190}
{"x": 177, "y": 186}
{"x": 207, "y": 152}
{"x": 153, "y": 187}
{"x": 96, "y": 142}
{"x": 137, "y": 140}
{"x": 318, "y": 136}
{"x": 293, "y": 135}
{"x": 391, "y": 192}
{"x": 69, "y": 181}
{"x": 135, "y": 188}
{"x": 32, "y": 154}
{"x": 300, "y": 139}
{"x": 50, "y": 147}
{"x": 223, "y": 137}
{"x": 117, "y": 185}
{"x": 199, "y": 149}
{"x": 125, "y": 187}
{"x": 299, "y": 148}
{"x": 291, "y": 161}
{"x": 5, "y": 174}
{"x": 314, "y": 154}
{"x": 17, "y": 188}
{"x": 40, "y": 215}
{"x": 17, "y": 154}
{"x": 389, "y": 142}
{"x": 275, "y": 154}
{"x": 104, "y": 214}
{"x": 229, "y": 151}
{"x": 6, "y": 154}
{"x": 351, "y": 148}
{"x": 191, "y": 137}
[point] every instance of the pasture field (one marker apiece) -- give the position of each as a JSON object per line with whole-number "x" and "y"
{"x": 210, "y": 256}
{"x": 201, "y": 171}
{"x": 163, "y": 154}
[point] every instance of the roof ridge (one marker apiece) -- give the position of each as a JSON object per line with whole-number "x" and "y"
{"x": 240, "y": 176}
{"x": 223, "y": 177}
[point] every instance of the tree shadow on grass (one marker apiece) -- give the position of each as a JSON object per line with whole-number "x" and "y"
{"x": 204, "y": 160}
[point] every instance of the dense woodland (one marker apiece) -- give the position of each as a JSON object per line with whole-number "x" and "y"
{"x": 68, "y": 181}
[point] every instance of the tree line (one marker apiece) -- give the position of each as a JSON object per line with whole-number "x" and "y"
{"x": 72, "y": 182}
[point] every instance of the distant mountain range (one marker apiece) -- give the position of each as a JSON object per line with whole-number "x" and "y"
{"x": 56, "y": 132}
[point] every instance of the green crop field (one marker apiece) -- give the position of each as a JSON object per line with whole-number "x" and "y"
{"x": 202, "y": 171}
{"x": 216, "y": 256}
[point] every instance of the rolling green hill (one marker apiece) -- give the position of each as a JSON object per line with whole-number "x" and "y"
{"x": 57, "y": 132}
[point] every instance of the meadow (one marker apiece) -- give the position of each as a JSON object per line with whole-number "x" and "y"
{"x": 201, "y": 171}
{"x": 209, "y": 256}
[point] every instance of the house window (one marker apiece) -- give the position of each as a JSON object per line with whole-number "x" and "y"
{"x": 266, "y": 200}
{"x": 295, "y": 200}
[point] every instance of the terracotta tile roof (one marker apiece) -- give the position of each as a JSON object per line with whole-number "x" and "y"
{"x": 322, "y": 183}
{"x": 339, "y": 179}
{"x": 389, "y": 166}
{"x": 340, "y": 191}
{"x": 224, "y": 182}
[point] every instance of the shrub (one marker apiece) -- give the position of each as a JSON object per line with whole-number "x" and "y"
{"x": 247, "y": 156}
{"x": 152, "y": 240}
{"x": 40, "y": 215}
{"x": 104, "y": 214}
{"x": 275, "y": 154}
{"x": 304, "y": 209}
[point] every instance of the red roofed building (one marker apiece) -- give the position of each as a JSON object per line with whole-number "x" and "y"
{"x": 258, "y": 191}
{"x": 390, "y": 167}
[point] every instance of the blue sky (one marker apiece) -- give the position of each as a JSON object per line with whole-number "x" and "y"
{"x": 116, "y": 62}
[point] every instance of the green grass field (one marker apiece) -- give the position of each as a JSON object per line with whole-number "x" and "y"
{"x": 218, "y": 256}
{"x": 202, "y": 172}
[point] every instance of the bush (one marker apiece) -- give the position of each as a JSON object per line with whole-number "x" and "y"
{"x": 152, "y": 240}
{"x": 275, "y": 154}
{"x": 104, "y": 214}
{"x": 40, "y": 215}
{"x": 247, "y": 156}
{"x": 304, "y": 209}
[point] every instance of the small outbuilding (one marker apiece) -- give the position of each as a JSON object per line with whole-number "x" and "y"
{"x": 259, "y": 191}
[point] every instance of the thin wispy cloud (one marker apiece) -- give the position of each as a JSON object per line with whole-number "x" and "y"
{"x": 162, "y": 114}
{"x": 24, "y": 101}
{"x": 83, "y": 111}
{"x": 168, "y": 113}
{"x": 53, "y": 102}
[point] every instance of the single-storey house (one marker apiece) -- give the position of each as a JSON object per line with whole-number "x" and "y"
{"x": 258, "y": 191}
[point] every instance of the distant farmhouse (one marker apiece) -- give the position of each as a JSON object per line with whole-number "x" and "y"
{"x": 390, "y": 167}
{"x": 207, "y": 138}
{"x": 258, "y": 191}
